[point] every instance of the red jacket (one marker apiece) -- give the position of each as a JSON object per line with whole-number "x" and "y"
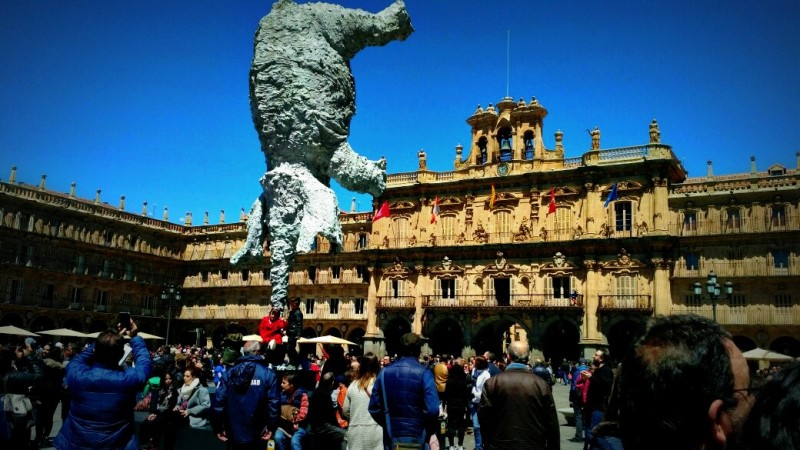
{"x": 270, "y": 330}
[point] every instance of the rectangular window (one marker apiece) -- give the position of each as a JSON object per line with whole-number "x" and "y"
{"x": 449, "y": 230}
{"x": 312, "y": 274}
{"x": 362, "y": 241}
{"x": 362, "y": 273}
{"x": 778, "y": 218}
{"x": 692, "y": 261}
{"x": 13, "y": 291}
{"x": 448, "y": 288}
{"x": 733, "y": 219}
{"x": 336, "y": 272}
{"x": 738, "y": 301}
{"x": 561, "y": 287}
{"x": 396, "y": 288}
{"x": 149, "y": 302}
{"x": 562, "y": 225}
{"x": 690, "y": 221}
{"x": 623, "y": 216}
{"x": 245, "y": 274}
{"x": 100, "y": 300}
{"x": 502, "y": 291}
{"x": 400, "y": 232}
{"x": 80, "y": 264}
{"x": 49, "y": 293}
{"x": 694, "y": 301}
{"x": 781, "y": 259}
{"x": 125, "y": 301}
{"x": 221, "y": 302}
{"x": 783, "y": 300}
{"x": 359, "y": 305}
{"x": 502, "y": 226}
{"x": 625, "y": 291}
{"x": 333, "y": 306}
{"x": 224, "y": 274}
{"x": 309, "y": 306}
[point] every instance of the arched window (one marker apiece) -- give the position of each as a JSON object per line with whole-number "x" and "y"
{"x": 482, "y": 151}
{"x": 529, "y": 140}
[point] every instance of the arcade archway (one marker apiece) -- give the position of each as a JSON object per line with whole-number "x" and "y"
{"x": 356, "y": 335}
{"x": 560, "y": 341}
{"x": 786, "y": 345}
{"x": 447, "y": 337}
{"x": 394, "y": 329}
{"x": 744, "y": 343}
{"x": 622, "y": 335}
{"x": 497, "y": 332}
{"x": 42, "y": 323}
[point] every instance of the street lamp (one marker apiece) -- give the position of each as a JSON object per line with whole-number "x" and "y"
{"x": 172, "y": 295}
{"x": 713, "y": 289}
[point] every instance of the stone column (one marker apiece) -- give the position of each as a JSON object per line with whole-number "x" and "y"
{"x": 419, "y": 312}
{"x": 591, "y": 300}
{"x": 662, "y": 294}
{"x": 660, "y": 205}
{"x": 372, "y": 304}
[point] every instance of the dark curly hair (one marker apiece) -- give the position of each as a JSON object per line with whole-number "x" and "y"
{"x": 668, "y": 381}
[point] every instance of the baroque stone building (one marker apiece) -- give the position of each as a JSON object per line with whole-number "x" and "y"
{"x": 517, "y": 242}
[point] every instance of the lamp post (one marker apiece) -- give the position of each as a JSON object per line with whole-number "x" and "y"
{"x": 172, "y": 295}
{"x": 713, "y": 289}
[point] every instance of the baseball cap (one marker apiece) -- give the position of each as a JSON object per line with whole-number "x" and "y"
{"x": 30, "y": 341}
{"x": 410, "y": 339}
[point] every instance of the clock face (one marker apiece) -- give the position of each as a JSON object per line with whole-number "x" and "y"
{"x": 502, "y": 169}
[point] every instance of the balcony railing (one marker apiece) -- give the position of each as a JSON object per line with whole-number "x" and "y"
{"x": 401, "y": 302}
{"x": 736, "y": 269}
{"x": 622, "y": 302}
{"x": 744, "y": 315}
{"x": 321, "y": 310}
{"x": 515, "y": 301}
{"x": 736, "y": 226}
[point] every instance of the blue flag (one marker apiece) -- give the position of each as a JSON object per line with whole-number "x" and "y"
{"x": 611, "y": 196}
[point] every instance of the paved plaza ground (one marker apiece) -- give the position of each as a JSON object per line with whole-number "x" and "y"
{"x": 560, "y": 392}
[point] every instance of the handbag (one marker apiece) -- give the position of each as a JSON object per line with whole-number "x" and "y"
{"x": 18, "y": 404}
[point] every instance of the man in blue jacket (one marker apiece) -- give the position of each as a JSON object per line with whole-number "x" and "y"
{"x": 103, "y": 394}
{"x": 247, "y": 401}
{"x": 404, "y": 400}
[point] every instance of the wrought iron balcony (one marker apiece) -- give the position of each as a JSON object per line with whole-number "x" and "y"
{"x": 514, "y": 301}
{"x": 640, "y": 303}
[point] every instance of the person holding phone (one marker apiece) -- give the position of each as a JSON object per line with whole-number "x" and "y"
{"x": 104, "y": 393}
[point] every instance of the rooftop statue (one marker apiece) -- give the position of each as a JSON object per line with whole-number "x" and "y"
{"x": 302, "y": 96}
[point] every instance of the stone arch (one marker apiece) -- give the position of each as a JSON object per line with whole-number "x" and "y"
{"x": 621, "y": 333}
{"x": 218, "y": 335}
{"x": 73, "y": 324}
{"x": 357, "y": 335}
{"x": 98, "y": 325}
{"x": 395, "y": 327}
{"x": 786, "y": 345}
{"x": 489, "y": 334}
{"x": 446, "y": 336}
{"x": 42, "y": 323}
{"x": 12, "y": 319}
{"x": 744, "y": 343}
{"x": 560, "y": 340}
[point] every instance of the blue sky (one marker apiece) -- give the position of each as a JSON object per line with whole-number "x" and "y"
{"x": 149, "y": 99}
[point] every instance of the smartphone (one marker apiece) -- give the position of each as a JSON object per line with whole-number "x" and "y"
{"x": 125, "y": 321}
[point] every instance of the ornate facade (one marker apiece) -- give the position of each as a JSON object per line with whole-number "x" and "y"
{"x": 517, "y": 242}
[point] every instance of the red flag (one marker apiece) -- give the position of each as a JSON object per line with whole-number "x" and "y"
{"x": 435, "y": 209}
{"x": 382, "y": 212}
{"x": 551, "y": 208}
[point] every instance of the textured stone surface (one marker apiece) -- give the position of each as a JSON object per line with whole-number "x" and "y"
{"x": 302, "y": 96}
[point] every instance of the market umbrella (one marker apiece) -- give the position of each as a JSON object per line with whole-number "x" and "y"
{"x": 252, "y": 337}
{"x": 149, "y": 336}
{"x": 325, "y": 340}
{"x": 11, "y": 329}
{"x": 759, "y": 354}
{"x": 64, "y": 332}
{"x": 93, "y": 335}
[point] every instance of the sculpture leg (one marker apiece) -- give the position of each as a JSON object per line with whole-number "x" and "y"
{"x": 255, "y": 232}
{"x": 357, "y": 173}
{"x": 285, "y": 201}
{"x": 320, "y": 216}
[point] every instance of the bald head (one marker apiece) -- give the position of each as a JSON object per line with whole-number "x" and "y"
{"x": 518, "y": 351}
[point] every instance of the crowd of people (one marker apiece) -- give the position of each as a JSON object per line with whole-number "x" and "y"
{"x": 684, "y": 384}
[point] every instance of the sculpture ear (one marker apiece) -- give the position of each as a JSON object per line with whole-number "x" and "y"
{"x": 719, "y": 423}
